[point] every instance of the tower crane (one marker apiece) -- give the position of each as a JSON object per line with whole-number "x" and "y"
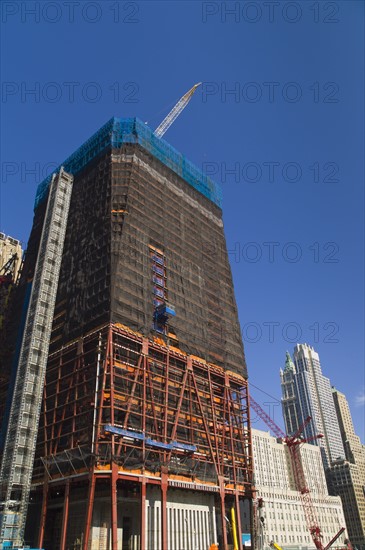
{"x": 293, "y": 443}
{"x": 175, "y": 111}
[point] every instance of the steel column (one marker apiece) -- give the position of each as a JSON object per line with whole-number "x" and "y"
{"x": 238, "y": 520}
{"x": 143, "y": 514}
{"x": 65, "y": 516}
{"x": 223, "y": 513}
{"x": 164, "y": 510}
{"x": 255, "y": 543}
{"x": 114, "y": 505}
{"x": 224, "y": 523}
{"x": 42, "y": 522}
{"x": 89, "y": 511}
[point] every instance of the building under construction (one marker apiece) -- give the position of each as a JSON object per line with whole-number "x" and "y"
{"x": 143, "y": 438}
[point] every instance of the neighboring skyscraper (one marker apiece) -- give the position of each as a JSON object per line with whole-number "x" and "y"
{"x": 354, "y": 449}
{"x": 348, "y": 476}
{"x": 313, "y": 397}
{"x": 144, "y": 436}
{"x": 289, "y": 399}
{"x": 285, "y": 521}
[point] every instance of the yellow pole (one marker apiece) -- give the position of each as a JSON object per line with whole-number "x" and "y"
{"x": 234, "y": 529}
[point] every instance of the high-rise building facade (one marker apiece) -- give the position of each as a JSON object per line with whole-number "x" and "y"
{"x": 354, "y": 449}
{"x": 283, "y": 518}
{"x": 144, "y": 436}
{"x": 348, "y": 475}
{"x": 306, "y": 392}
{"x": 289, "y": 399}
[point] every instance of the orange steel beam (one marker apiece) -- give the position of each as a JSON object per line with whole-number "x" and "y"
{"x": 151, "y": 389}
{"x": 131, "y": 395}
{"x": 204, "y": 420}
{"x": 42, "y": 522}
{"x": 238, "y": 519}
{"x": 100, "y": 411}
{"x": 166, "y": 394}
{"x": 65, "y": 516}
{"x": 219, "y": 462}
{"x": 164, "y": 510}
{"x": 114, "y": 505}
{"x": 223, "y": 514}
{"x": 143, "y": 514}
{"x": 110, "y": 370}
{"x": 89, "y": 511}
{"x": 144, "y": 392}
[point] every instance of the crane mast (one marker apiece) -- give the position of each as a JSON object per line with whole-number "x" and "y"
{"x": 293, "y": 443}
{"x": 175, "y": 112}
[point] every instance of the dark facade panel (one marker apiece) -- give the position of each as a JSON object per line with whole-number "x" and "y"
{"x": 153, "y": 207}
{"x": 123, "y": 204}
{"x": 83, "y": 298}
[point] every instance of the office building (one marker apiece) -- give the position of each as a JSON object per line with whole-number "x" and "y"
{"x": 307, "y": 392}
{"x": 348, "y": 475}
{"x": 283, "y": 515}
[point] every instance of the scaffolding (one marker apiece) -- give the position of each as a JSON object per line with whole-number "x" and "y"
{"x": 122, "y": 407}
{"x": 20, "y": 442}
{"x": 118, "y": 131}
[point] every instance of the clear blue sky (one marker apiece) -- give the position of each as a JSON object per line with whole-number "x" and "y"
{"x": 293, "y": 130}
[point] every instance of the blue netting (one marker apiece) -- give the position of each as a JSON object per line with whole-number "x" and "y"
{"x": 132, "y": 130}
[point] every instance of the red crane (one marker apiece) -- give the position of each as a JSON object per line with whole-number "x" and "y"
{"x": 293, "y": 443}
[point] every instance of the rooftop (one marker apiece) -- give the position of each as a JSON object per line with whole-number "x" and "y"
{"x": 118, "y": 131}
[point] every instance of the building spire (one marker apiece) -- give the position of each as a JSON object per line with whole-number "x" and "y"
{"x": 289, "y": 365}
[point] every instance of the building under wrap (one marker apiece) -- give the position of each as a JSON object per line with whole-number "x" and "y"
{"x": 144, "y": 438}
